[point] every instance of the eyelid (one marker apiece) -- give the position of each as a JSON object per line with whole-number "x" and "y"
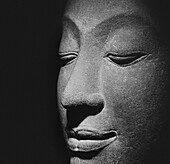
{"x": 127, "y": 53}
{"x": 62, "y": 54}
{"x": 128, "y": 58}
{"x": 67, "y": 57}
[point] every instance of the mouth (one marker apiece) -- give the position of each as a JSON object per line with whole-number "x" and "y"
{"x": 86, "y": 140}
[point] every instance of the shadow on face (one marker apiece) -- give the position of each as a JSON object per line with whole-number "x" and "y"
{"x": 113, "y": 82}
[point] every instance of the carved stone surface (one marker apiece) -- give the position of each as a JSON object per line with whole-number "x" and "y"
{"x": 112, "y": 80}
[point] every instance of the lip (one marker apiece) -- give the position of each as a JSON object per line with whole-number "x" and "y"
{"x": 86, "y": 140}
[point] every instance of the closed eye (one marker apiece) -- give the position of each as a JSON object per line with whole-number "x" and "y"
{"x": 128, "y": 59}
{"x": 67, "y": 58}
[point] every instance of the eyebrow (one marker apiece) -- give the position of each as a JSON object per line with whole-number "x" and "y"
{"x": 103, "y": 29}
{"x": 69, "y": 23}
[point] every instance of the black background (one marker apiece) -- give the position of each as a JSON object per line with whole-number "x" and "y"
{"x": 29, "y": 124}
{"x": 30, "y": 31}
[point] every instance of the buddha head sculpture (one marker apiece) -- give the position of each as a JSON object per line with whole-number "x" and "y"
{"x": 112, "y": 82}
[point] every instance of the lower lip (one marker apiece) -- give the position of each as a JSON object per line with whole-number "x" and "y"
{"x": 88, "y": 145}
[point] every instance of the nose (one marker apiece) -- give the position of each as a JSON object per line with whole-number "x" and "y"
{"x": 80, "y": 107}
{"x": 87, "y": 103}
{"x": 82, "y": 96}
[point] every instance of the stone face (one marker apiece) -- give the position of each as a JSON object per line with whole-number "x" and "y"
{"x": 111, "y": 81}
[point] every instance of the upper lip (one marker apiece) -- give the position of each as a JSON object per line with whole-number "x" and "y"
{"x": 90, "y": 134}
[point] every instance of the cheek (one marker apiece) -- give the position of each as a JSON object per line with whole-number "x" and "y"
{"x": 133, "y": 96}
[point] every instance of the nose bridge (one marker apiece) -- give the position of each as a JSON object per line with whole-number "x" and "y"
{"x": 84, "y": 80}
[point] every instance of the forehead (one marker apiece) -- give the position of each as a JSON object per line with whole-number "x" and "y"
{"x": 86, "y": 14}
